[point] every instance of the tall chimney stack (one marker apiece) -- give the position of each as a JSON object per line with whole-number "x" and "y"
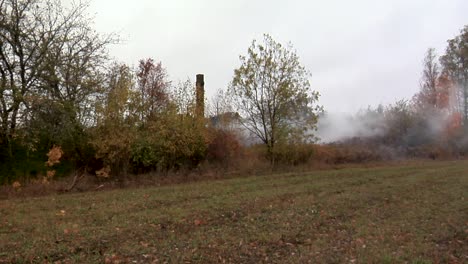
{"x": 200, "y": 96}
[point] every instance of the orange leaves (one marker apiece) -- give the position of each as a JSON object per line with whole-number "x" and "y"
{"x": 454, "y": 124}
{"x": 55, "y": 153}
{"x": 104, "y": 172}
{"x": 16, "y": 185}
{"x": 50, "y": 174}
{"x": 152, "y": 87}
{"x": 445, "y": 88}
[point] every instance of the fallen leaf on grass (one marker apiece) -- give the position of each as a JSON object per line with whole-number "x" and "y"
{"x": 198, "y": 222}
{"x": 144, "y": 244}
{"x": 113, "y": 259}
{"x": 61, "y": 213}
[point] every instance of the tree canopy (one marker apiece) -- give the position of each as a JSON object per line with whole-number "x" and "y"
{"x": 272, "y": 93}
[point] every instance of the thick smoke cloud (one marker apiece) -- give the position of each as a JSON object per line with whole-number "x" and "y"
{"x": 396, "y": 124}
{"x": 332, "y": 127}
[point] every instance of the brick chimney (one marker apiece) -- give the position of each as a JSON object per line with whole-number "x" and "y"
{"x": 200, "y": 96}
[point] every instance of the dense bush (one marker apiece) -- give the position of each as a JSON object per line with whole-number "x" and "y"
{"x": 172, "y": 142}
{"x": 224, "y": 147}
{"x": 344, "y": 153}
{"x": 294, "y": 154}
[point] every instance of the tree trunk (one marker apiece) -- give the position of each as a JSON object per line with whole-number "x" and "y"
{"x": 271, "y": 154}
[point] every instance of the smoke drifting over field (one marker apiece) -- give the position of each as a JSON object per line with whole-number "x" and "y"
{"x": 396, "y": 122}
{"x": 333, "y": 127}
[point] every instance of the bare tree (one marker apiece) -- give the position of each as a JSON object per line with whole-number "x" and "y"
{"x": 427, "y": 97}
{"x": 455, "y": 65}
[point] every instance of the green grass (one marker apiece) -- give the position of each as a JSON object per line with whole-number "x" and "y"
{"x": 398, "y": 214}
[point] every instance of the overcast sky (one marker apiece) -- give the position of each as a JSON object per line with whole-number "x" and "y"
{"x": 360, "y": 52}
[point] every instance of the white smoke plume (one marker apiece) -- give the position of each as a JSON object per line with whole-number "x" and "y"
{"x": 333, "y": 127}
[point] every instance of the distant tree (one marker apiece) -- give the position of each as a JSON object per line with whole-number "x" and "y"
{"x": 173, "y": 138}
{"x": 399, "y": 120}
{"x": 447, "y": 94}
{"x": 437, "y": 104}
{"x": 272, "y": 94}
{"x": 153, "y": 88}
{"x": 427, "y": 96}
{"x": 455, "y": 65}
{"x": 448, "y": 101}
{"x": 220, "y": 103}
{"x": 116, "y": 123}
{"x": 222, "y": 114}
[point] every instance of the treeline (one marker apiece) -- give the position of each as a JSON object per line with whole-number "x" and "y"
{"x": 62, "y": 93}
{"x": 67, "y": 107}
{"x": 433, "y": 124}
{"x": 65, "y": 101}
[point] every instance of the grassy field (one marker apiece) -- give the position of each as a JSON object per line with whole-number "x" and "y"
{"x": 399, "y": 214}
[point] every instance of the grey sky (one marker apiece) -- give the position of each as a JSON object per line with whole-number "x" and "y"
{"x": 359, "y": 52}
